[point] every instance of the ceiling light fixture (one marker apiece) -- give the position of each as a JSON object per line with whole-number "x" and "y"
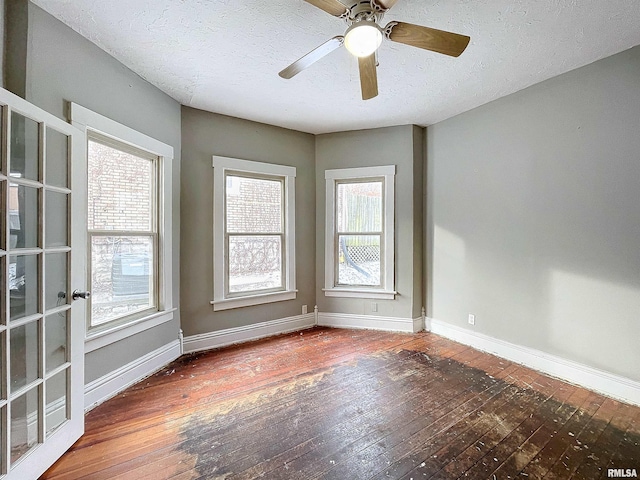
{"x": 363, "y": 38}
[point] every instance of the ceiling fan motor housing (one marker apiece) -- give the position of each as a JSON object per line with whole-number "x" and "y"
{"x": 366, "y": 10}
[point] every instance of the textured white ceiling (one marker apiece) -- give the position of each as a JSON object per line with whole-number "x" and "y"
{"x": 224, "y": 56}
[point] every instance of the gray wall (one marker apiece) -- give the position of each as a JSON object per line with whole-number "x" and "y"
{"x": 206, "y": 134}
{"x": 400, "y": 146}
{"x": 14, "y": 49}
{"x": 534, "y": 216}
{"x": 62, "y": 66}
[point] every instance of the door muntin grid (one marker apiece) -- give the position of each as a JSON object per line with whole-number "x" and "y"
{"x": 35, "y": 302}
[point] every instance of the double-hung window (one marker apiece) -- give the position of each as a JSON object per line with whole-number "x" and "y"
{"x": 254, "y": 233}
{"x": 359, "y": 250}
{"x": 129, "y": 229}
{"x": 122, "y": 230}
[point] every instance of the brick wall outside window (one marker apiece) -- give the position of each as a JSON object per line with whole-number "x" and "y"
{"x": 119, "y": 189}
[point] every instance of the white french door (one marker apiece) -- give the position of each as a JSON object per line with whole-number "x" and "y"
{"x": 41, "y": 263}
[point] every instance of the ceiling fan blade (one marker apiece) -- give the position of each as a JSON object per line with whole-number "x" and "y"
{"x": 386, "y": 4}
{"x": 312, "y": 57}
{"x": 448, "y": 43}
{"x": 368, "y": 76}
{"x": 332, "y": 7}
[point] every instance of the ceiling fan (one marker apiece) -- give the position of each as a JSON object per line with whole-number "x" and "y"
{"x": 363, "y": 37}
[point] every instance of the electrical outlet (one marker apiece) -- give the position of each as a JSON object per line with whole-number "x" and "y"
{"x": 472, "y": 319}
{"x": 374, "y": 307}
{"x": 304, "y": 309}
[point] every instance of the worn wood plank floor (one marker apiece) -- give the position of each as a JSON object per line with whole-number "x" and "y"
{"x": 349, "y": 404}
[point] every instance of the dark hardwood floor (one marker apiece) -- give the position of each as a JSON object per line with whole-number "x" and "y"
{"x": 351, "y": 404}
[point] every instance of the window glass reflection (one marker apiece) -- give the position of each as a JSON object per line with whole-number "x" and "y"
{"x": 23, "y": 216}
{"x": 23, "y": 285}
{"x": 24, "y": 147}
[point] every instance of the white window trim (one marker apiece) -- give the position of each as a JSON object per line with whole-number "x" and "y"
{"x": 220, "y": 166}
{"x": 85, "y": 120}
{"x": 387, "y": 292}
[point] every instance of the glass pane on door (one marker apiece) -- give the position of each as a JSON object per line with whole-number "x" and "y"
{"x": 23, "y": 216}
{"x": 24, "y": 160}
{"x": 55, "y": 282}
{"x": 24, "y": 289}
{"x": 3, "y": 412}
{"x": 56, "y": 232}
{"x": 3, "y": 208}
{"x": 3, "y": 392}
{"x": 56, "y": 401}
{"x": 24, "y": 424}
{"x": 57, "y": 151}
{"x": 55, "y": 334}
{"x": 3, "y": 263}
{"x": 24, "y": 354}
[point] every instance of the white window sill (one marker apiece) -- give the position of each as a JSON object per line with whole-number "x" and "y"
{"x": 360, "y": 293}
{"x": 105, "y": 337}
{"x": 238, "y": 302}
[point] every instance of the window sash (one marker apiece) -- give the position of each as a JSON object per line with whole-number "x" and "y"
{"x": 336, "y": 275}
{"x": 257, "y": 176}
{"x": 332, "y": 285}
{"x": 228, "y": 235}
{"x": 116, "y": 144}
{"x": 154, "y": 295}
{"x": 355, "y": 181}
{"x": 283, "y": 259}
{"x": 338, "y": 233}
{"x": 154, "y": 292}
{"x": 155, "y": 169}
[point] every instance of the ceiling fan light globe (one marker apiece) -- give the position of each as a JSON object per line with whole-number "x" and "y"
{"x": 363, "y": 38}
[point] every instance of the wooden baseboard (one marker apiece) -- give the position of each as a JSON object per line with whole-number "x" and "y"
{"x": 229, "y": 336}
{"x": 390, "y": 324}
{"x": 609, "y": 384}
{"x": 114, "y": 382}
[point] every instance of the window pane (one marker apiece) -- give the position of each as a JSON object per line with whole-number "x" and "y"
{"x": 122, "y": 277}
{"x": 120, "y": 190}
{"x": 57, "y": 158}
{"x": 359, "y": 207}
{"x": 24, "y": 352}
{"x": 24, "y": 424}
{"x": 23, "y": 216}
{"x": 56, "y": 401}
{"x": 255, "y": 263}
{"x": 24, "y": 291}
{"x": 57, "y": 210}
{"x": 55, "y": 334}
{"x": 3, "y": 208}
{"x": 253, "y": 205}
{"x": 4, "y": 259}
{"x": 359, "y": 260}
{"x": 55, "y": 281}
{"x": 24, "y": 147}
